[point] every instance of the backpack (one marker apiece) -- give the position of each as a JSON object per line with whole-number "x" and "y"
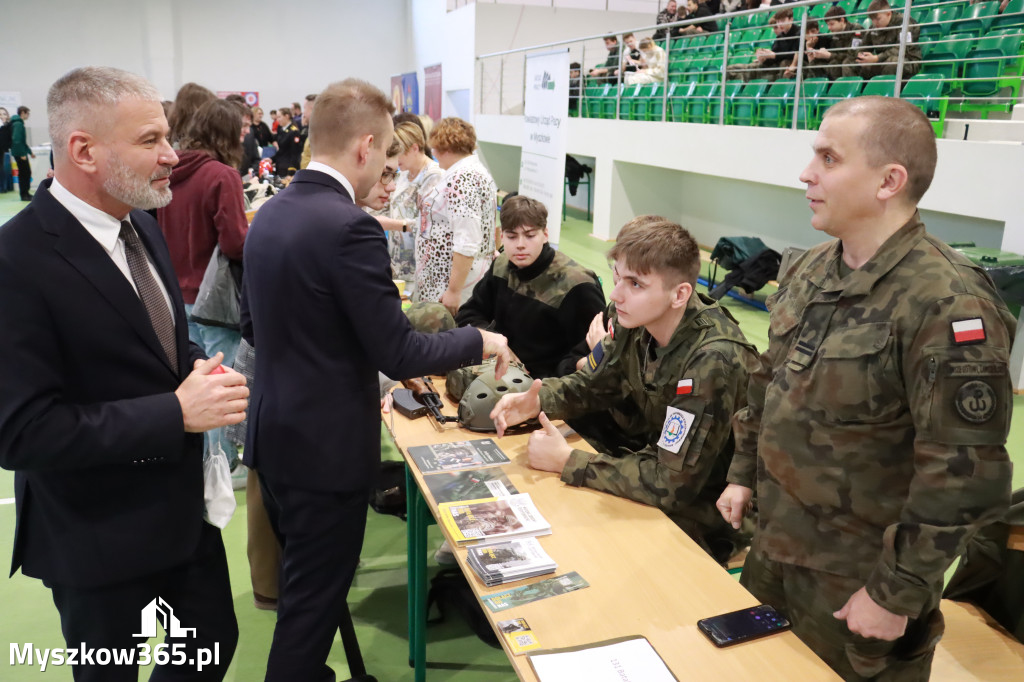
{"x": 450, "y": 590}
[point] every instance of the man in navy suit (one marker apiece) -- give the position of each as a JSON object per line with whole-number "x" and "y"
{"x": 103, "y": 400}
{"x": 325, "y": 317}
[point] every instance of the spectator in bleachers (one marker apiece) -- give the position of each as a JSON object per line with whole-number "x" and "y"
{"x": 604, "y": 72}
{"x": 696, "y": 10}
{"x": 771, "y": 63}
{"x": 190, "y": 97}
{"x": 845, "y": 36}
{"x": 652, "y": 69}
{"x": 574, "y": 87}
{"x": 666, "y": 16}
{"x": 632, "y": 59}
{"x": 815, "y": 47}
{"x": 726, "y": 6}
{"x": 881, "y": 46}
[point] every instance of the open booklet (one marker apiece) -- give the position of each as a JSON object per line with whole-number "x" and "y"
{"x": 626, "y": 659}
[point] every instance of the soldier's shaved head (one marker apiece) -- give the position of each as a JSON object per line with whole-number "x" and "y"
{"x": 897, "y": 132}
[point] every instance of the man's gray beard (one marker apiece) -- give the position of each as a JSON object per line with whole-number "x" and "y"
{"x": 129, "y": 188}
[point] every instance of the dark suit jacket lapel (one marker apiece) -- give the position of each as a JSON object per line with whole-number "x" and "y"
{"x": 83, "y": 252}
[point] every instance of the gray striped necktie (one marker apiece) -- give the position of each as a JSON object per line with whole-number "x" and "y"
{"x": 149, "y": 291}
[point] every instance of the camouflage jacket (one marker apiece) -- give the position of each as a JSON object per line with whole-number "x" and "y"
{"x": 876, "y": 425}
{"x": 885, "y": 42}
{"x": 686, "y": 396}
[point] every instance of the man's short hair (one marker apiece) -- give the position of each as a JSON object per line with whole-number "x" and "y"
{"x": 640, "y": 221}
{"x": 627, "y": 35}
{"x": 79, "y": 100}
{"x": 663, "y": 247}
{"x": 285, "y": 111}
{"x": 835, "y": 12}
{"x": 452, "y": 134}
{"x": 784, "y": 14}
{"x": 575, "y": 66}
{"x": 878, "y": 6}
{"x": 521, "y": 211}
{"x": 611, "y": 38}
{"x": 24, "y": 110}
{"x": 813, "y": 25}
{"x": 395, "y": 148}
{"x": 346, "y": 111}
{"x": 896, "y": 132}
{"x": 311, "y": 98}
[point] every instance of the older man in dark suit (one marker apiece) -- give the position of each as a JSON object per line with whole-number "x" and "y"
{"x": 104, "y": 400}
{"x": 325, "y": 317}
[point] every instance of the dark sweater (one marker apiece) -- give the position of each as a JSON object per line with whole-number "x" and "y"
{"x": 543, "y": 309}
{"x": 207, "y": 210}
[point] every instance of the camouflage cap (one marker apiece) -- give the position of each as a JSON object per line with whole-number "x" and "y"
{"x": 430, "y": 317}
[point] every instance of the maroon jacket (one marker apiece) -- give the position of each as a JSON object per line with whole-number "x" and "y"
{"x": 207, "y": 210}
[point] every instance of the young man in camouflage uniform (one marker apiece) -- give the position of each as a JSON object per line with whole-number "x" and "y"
{"x": 875, "y": 429}
{"x": 684, "y": 363}
{"x": 541, "y": 300}
{"x": 881, "y": 47}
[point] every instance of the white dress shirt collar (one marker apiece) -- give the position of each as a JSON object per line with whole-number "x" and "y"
{"x": 104, "y": 227}
{"x": 324, "y": 168}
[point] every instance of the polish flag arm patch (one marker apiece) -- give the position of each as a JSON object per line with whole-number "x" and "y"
{"x": 969, "y": 331}
{"x": 684, "y": 387}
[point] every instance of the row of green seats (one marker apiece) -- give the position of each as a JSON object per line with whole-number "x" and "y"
{"x": 982, "y": 74}
{"x": 760, "y": 102}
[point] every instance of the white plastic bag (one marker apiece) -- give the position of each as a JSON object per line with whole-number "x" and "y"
{"x": 217, "y": 491}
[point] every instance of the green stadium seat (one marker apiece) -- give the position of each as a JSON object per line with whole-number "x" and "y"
{"x": 938, "y": 21}
{"x": 818, "y": 11}
{"x": 812, "y": 90}
{"x": 745, "y": 104}
{"x": 712, "y": 45}
{"x": 695, "y": 68}
{"x": 732, "y": 89}
{"x": 677, "y": 96}
{"x": 696, "y": 103}
{"x": 759, "y": 19}
{"x": 945, "y": 58}
{"x": 1012, "y": 16}
{"x": 592, "y": 99}
{"x": 849, "y": 6}
{"x": 842, "y": 88}
{"x": 775, "y": 110}
{"x": 738, "y": 23}
{"x": 993, "y": 70}
{"x": 648, "y": 105}
{"x": 929, "y": 94}
{"x": 712, "y": 71}
{"x": 977, "y": 19}
{"x": 608, "y": 102}
{"x": 628, "y": 106}
{"x": 879, "y": 85}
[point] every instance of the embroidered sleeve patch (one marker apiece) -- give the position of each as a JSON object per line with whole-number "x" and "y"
{"x": 969, "y": 331}
{"x": 596, "y": 356}
{"x": 684, "y": 387}
{"x": 976, "y": 401}
{"x": 673, "y": 432}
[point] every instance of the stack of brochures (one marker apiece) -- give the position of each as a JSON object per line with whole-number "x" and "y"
{"x": 492, "y": 519}
{"x": 506, "y": 562}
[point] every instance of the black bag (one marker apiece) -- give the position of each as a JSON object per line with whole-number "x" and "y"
{"x": 389, "y": 495}
{"x": 751, "y": 274}
{"x": 453, "y": 596}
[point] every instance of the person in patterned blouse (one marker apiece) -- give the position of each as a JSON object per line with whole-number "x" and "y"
{"x": 456, "y": 240}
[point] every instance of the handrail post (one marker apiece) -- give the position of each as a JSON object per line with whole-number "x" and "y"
{"x": 904, "y": 30}
{"x": 618, "y": 82}
{"x": 800, "y": 66}
{"x": 481, "y": 102}
{"x": 501, "y": 87}
{"x": 723, "y": 74}
{"x": 664, "y": 80}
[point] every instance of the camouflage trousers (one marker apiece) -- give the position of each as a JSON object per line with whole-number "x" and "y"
{"x": 808, "y": 598}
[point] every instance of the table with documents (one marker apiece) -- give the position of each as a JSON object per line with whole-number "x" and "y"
{"x": 646, "y": 576}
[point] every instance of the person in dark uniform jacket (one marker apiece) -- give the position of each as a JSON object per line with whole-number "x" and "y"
{"x": 289, "y": 145}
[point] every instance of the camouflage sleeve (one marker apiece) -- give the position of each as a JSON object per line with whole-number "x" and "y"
{"x": 960, "y": 398}
{"x": 671, "y": 472}
{"x": 585, "y": 391}
{"x": 746, "y": 422}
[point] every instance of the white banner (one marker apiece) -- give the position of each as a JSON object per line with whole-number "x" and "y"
{"x": 545, "y": 112}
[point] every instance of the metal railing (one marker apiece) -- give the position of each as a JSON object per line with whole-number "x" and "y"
{"x": 732, "y": 51}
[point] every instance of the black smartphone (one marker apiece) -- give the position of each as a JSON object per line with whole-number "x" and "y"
{"x": 743, "y": 625}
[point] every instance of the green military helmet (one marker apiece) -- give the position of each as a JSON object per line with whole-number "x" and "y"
{"x": 430, "y": 317}
{"x": 458, "y": 380}
{"x": 484, "y": 393}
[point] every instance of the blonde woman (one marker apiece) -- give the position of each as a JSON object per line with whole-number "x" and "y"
{"x": 402, "y": 217}
{"x": 455, "y": 244}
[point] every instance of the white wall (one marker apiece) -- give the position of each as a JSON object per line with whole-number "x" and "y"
{"x": 222, "y": 44}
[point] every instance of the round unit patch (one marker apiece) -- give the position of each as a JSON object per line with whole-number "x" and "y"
{"x": 975, "y": 401}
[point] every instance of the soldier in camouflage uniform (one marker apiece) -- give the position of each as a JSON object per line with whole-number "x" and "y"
{"x": 539, "y": 298}
{"x": 875, "y": 430}
{"x": 682, "y": 360}
{"x": 880, "y": 50}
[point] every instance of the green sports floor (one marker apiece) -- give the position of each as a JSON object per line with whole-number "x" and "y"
{"x": 27, "y": 614}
